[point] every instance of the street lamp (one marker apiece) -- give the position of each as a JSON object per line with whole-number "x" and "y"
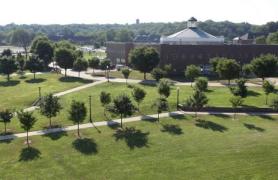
{"x": 90, "y": 105}
{"x": 178, "y": 97}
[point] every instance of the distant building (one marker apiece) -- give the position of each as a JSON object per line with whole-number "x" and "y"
{"x": 244, "y": 40}
{"x": 147, "y": 39}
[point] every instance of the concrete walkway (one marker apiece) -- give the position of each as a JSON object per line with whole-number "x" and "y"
{"x": 126, "y": 120}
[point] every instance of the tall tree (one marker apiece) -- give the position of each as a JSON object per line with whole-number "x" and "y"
{"x": 268, "y": 88}
{"x": 64, "y": 58}
{"x": 144, "y": 59}
{"x": 77, "y": 113}
{"x": 45, "y": 51}
{"x": 94, "y": 63}
{"x": 161, "y": 105}
{"x": 6, "y": 116}
{"x": 228, "y": 69}
{"x": 164, "y": 88}
{"x": 236, "y": 101}
{"x": 105, "y": 99}
{"x": 192, "y": 72}
{"x": 197, "y": 101}
{"x": 50, "y": 107}
{"x": 138, "y": 95}
{"x": 22, "y": 38}
{"x": 126, "y": 72}
{"x": 7, "y": 66}
{"x": 34, "y": 64}
{"x": 80, "y": 65}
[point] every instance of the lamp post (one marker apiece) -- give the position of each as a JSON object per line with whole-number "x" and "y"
{"x": 178, "y": 97}
{"x": 90, "y": 106}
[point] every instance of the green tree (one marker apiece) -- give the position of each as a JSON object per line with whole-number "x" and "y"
{"x": 240, "y": 89}
{"x": 77, "y": 113}
{"x": 45, "y": 51}
{"x": 80, "y": 65}
{"x": 105, "y": 99}
{"x": 6, "y": 116}
{"x": 122, "y": 105}
{"x": 272, "y": 38}
{"x": 20, "y": 62}
{"x": 214, "y": 61}
{"x": 268, "y": 88}
{"x": 164, "y": 88}
{"x": 94, "y": 63}
{"x": 236, "y": 101}
{"x": 261, "y": 40}
{"x": 126, "y": 72}
{"x": 160, "y": 105}
{"x": 247, "y": 70}
{"x": 21, "y": 38}
{"x": 7, "y": 66}
{"x": 138, "y": 95}
{"x": 192, "y": 72}
{"x": 197, "y": 101}
{"x": 50, "y": 107}
{"x": 274, "y": 103}
{"x": 65, "y": 58}
{"x": 34, "y": 64}
{"x": 265, "y": 65}
{"x": 201, "y": 83}
{"x": 7, "y": 52}
{"x": 168, "y": 69}
{"x": 228, "y": 69}
{"x": 157, "y": 73}
{"x": 144, "y": 59}
{"x": 27, "y": 121}
{"x": 35, "y": 42}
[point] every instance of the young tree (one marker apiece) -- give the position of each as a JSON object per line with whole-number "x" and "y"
{"x": 240, "y": 89}
{"x": 80, "y": 65}
{"x": 7, "y": 66}
{"x": 274, "y": 103}
{"x": 268, "y": 88}
{"x": 126, "y": 72}
{"x": 164, "y": 88}
{"x": 50, "y": 107}
{"x": 105, "y": 99}
{"x": 21, "y": 38}
{"x": 77, "y": 113}
{"x": 27, "y": 121}
{"x": 168, "y": 69}
{"x": 64, "y": 58}
{"x": 6, "y": 116}
{"x": 45, "y": 51}
{"x": 197, "y": 101}
{"x": 192, "y": 72}
{"x": 144, "y": 59}
{"x": 161, "y": 105}
{"x": 201, "y": 83}
{"x": 7, "y": 52}
{"x": 228, "y": 69}
{"x": 122, "y": 106}
{"x": 236, "y": 101}
{"x": 105, "y": 65}
{"x": 247, "y": 70}
{"x": 20, "y": 62}
{"x": 138, "y": 95}
{"x": 265, "y": 66}
{"x": 94, "y": 63}
{"x": 157, "y": 74}
{"x": 214, "y": 61}
{"x": 34, "y": 64}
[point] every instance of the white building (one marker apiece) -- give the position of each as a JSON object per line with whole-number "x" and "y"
{"x": 192, "y": 35}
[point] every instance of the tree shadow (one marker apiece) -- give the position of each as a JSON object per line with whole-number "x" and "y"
{"x": 149, "y": 119}
{"x": 268, "y": 117}
{"x": 29, "y": 154}
{"x": 179, "y": 117}
{"x": 7, "y": 141}
{"x": 253, "y": 93}
{"x": 113, "y": 125}
{"x": 74, "y": 79}
{"x": 224, "y": 116}
{"x": 9, "y": 83}
{"x": 85, "y": 146}
{"x": 57, "y": 135}
{"x": 150, "y": 83}
{"x": 172, "y": 129}
{"x": 253, "y": 127}
{"x": 210, "y": 125}
{"x": 134, "y": 138}
{"x": 209, "y": 90}
{"x": 35, "y": 81}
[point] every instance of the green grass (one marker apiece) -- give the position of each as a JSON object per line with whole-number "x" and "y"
{"x": 21, "y": 92}
{"x": 133, "y": 75}
{"x": 215, "y": 148}
{"x": 99, "y": 54}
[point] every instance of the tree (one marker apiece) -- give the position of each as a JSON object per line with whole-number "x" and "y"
{"x": 247, "y": 70}
{"x": 265, "y": 65}
{"x": 77, "y": 113}
{"x": 228, "y": 69}
{"x": 50, "y": 106}
{"x": 80, "y": 65}
{"x": 161, "y": 105}
{"x": 105, "y": 99}
{"x": 164, "y": 88}
{"x": 197, "y": 101}
{"x": 144, "y": 59}
{"x": 138, "y": 95}
{"x": 240, "y": 89}
{"x": 7, "y": 66}
{"x": 22, "y": 38}
{"x": 122, "y": 106}
{"x": 20, "y": 62}
{"x": 34, "y": 64}
{"x": 45, "y": 51}
{"x": 27, "y": 121}
{"x": 201, "y": 83}
{"x": 214, "y": 61}
{"x": 236, "y": 101}
{"x": 168, "y": 69}
{"x": 272, "y": 38}
{"x": 35, "y": 42}
{"x": 268, "y": 88}
{"x": 126, "y": 72}
{"x": 192, "y": 72}
{"x": 6, "y": 116}
{"x": 274, "y": 103}
{"x": 157, "y": 74}
{"x": 261, "y": 40}
{"x": 94, "y": 63}
{"x": 64, "y": 58}
{"x": 7, "y": 52}
{"x": 105, "y": 65}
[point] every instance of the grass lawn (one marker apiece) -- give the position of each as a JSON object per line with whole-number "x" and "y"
{"x": 99, "y": 54}
{"x": 133, "y": 75}
{"x": 21, "y": 92}
{"x": 180, "y": 148}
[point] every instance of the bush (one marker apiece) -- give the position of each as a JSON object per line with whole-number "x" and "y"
{"x": 158, "y": 73}
{"x": 201, "y": 83}
{"x": 274, "y": 103}
{"x": 240, "y": 89}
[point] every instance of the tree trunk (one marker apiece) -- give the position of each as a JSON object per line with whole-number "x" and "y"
{"x": 28, "y": 139}
{"x": 229, "y": 82}
{"x": 138, "y": 104}
{"x": 34, "y": 75}
{"x": 121, "y": 121}
{"x": 158, "y": 116}
{"x": 93, "y": 71}
{"x": 144, "y": 76}
{"x": 78, "y": 129}
{"x": 8, "y": 77}
{"x": 50, "y": 122}
{"x": 196, "y": 115}
{"x": 26, "y": 53}
{"x": 191, "y": 84}
{"x": 125, "y": 81}
{"x": 78, "y": 73}
{"x": 5, "y": 128}
{"x": 65, "y": 72}
{"x": 266, "y": 98}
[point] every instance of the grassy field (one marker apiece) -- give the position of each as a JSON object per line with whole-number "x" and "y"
{"x": 133, "y": 75}
{"x": 99, "y": 54}
{"x": 21, "y": 92}
{"x": 180, "y": 148}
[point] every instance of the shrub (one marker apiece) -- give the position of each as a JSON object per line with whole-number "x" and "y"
{"x": 201, "y": 83}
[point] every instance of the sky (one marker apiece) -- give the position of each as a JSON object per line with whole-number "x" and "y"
{"x": 127, "y": 11}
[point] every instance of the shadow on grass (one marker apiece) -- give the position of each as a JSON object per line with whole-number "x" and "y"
{"x": 150, "y": 83}
{"x": 7, "y": 141}
{"x": 253, "y": 93}
{"x": 35, "y": 81}
{"x": 57, "y": 135}
{"x": 85, "y": 146}
{"x": 224, "y": 116}
{"x": 210, "y": 125}
{"x": 179, "y": 117}
{"x": 253, "y": 127}
{"x": 9, "y": 83}
{"x": 74, "y": 79}
{"x": 29, "y": 154}
{"x": 149, "y": 119}
{"x": 172, "y": 129}
{"x": 134, "y": 138}
{"x": 268, "y": 117}
{"x": 113, "y": 125}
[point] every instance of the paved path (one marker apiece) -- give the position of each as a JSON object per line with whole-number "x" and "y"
{"x": 126, "y": 120}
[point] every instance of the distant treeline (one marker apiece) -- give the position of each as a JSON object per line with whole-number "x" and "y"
{"x": 98, "y": 34}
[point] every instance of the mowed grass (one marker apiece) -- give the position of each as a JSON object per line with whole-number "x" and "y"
{"x": 21, "y": 92}
{"x": 176, "y": 148}
{"x": 133, "y": 75}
